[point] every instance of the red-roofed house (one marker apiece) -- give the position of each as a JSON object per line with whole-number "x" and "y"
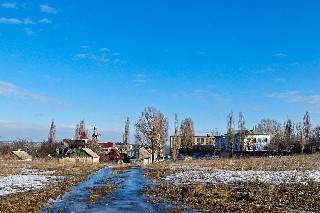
{"x": 115, "y": 155}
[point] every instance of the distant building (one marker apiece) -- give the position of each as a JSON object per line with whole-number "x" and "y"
{"x": 253, "y": 142}
{"x": 205, "y": 140}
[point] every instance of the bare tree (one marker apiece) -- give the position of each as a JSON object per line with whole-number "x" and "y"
{"x": 52, "y": 133}
{"x": 152, "y": 130}
{"x": 242, "y": 130}
{"x": 230, "y": 131}
{"x": 187, "y": 134}
{"x": 175, "y": 146}
{"x": 126, "y": 132}
{"x": 306, "y": 131}
{"x": 288, "y": 134}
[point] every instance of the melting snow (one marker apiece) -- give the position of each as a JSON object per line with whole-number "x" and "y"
{"x": 228, "y": 177}
{"x": 27, "y": 180}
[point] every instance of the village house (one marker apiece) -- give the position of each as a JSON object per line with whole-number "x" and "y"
{"x": 18, "y": 155}
{"x": 82, "y": 155}
{"x": 145, "y": 155}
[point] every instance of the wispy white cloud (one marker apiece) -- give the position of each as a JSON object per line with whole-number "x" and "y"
{"x": 280, "y": 55}
{"x": 45, "y": 21}
{"x": 47, "y": 9}
{"x": 10, "y": 21}
{"x": 35, "y": 131}
{"x": 140, "y": 79}
{"x": 296, "y": 97}
{"x": 103, "y": 49}
{"x": 29, "y": 32}
{"x": 13, "y": 91}
{"x": 28, "y": 21}
{"x": 101, "y": 55}
{"x": 81, "y": 55}
{"x": 314, "y": 99}
{"x": 99, "y": 58}
{"x": 9, "y": 5}
{"x": 50, "y": 78}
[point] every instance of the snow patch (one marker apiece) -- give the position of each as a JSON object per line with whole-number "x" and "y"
{"x": 229, "y": 177}
{"x": 27, "y": 180}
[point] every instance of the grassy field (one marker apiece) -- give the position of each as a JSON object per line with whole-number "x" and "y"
{"x": 33, "y": 200}
{"x": 248, "y": 196}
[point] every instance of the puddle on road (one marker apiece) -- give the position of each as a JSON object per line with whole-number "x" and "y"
{"x": 123, "y": 199}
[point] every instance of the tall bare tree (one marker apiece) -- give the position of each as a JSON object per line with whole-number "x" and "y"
{"x": 230, "y": 131}
{"x": 242, "y": 130}
{"x": 187, "y": 135}
{"x": 306, "y": 131}
{"x": 126, "y": 139}
{"x": 175, "y": 144}
{"x": 52, "y": 133}
{"x": 288, "y": 134}
{"x": 152, "y": 130}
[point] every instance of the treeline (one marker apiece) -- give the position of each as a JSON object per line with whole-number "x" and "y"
{"x": 290, "y": 137}
{"x": 35, "y": 149}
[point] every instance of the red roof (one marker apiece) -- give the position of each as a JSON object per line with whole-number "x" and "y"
{"x": 83, "y": 136}
{"x": 106, "y": 145}
{"x": 115, "y": 155}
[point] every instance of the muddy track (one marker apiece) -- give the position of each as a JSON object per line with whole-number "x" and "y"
{"x": 123, "y": 198}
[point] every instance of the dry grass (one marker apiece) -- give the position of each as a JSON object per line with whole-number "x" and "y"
{"x": 252, "y": 196}
{"x": 298, "y": 162}
{"x": 249, "y": 197}
{"x": 31, "y": 201}
{"x": 100, "y": 192}
{"x": 121, "y": 169}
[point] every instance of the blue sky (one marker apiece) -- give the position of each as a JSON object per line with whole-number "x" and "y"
{"x": 104, "y": 60}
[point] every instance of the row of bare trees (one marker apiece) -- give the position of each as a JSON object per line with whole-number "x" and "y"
{"x": 291, "y": 137}
{"x": 35, "y": 149}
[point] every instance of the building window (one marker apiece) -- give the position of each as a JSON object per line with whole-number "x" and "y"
{"x": 202, "y": 140}
{"x": 198, "y": 140}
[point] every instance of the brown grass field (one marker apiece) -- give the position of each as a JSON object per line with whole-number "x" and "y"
{"x": 251, "y": 196}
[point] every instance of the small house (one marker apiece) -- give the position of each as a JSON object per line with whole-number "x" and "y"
{"x": 115, "y": 155}
{"x": 145, "y": 155}
{"x": 83, "y": 155}
{"x": 19, "y": 155}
